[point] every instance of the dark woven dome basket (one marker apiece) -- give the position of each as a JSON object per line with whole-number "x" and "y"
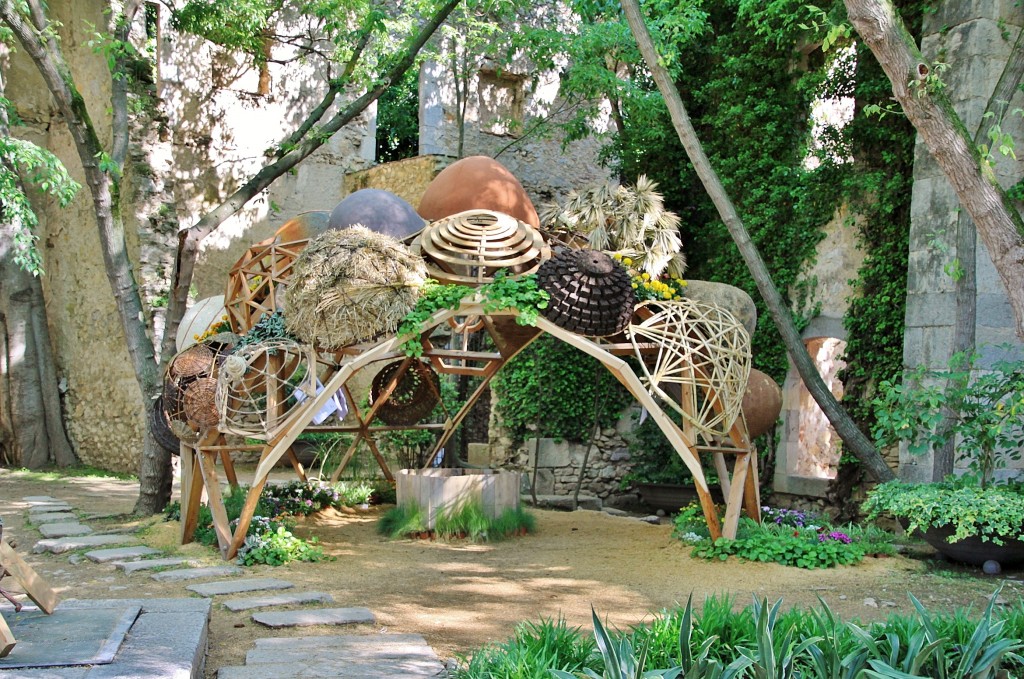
{"x": 415, "y": 396}
{"x": 591, "y": 294}
{"x": 162, "y": 427}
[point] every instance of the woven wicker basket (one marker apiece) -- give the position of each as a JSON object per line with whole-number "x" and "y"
{"x": 414, "y": 397}
{"x": 198, "y": 359}
{"x": 200, "y": 403}
{"x": 591, "y": 294}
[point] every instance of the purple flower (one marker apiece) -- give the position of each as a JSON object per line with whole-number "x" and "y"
{"x": 835, "y": 535}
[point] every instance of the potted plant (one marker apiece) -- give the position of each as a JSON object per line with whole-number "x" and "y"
{"x": 974, "y": 517}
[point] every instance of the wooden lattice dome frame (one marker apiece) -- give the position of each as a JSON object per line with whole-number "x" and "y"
{"x": 335, "y": 369}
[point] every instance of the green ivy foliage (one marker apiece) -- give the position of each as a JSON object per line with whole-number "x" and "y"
{"x": 552, "y": 385}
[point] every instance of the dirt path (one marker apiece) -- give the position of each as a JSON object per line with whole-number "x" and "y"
{"x": 462, "y": 595}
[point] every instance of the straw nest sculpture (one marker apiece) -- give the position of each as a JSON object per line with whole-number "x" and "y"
{"x": 590, "y": 293}
{"x": 350, "y": 286}
{"x": 187, "y": 402}
{"x": 257, "y": 386}
{"x": 702, "y": 359}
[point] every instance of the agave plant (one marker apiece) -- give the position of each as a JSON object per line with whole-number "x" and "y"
{"x": 630, "y": 221}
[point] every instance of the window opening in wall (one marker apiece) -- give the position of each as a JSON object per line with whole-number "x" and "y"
{"x": 831, "y": 110}
{"x": 398, "y": 125}
{"x": 819, "y": 447}
{"x": 501, "y": 97}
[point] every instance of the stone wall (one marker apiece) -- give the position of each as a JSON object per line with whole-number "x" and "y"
{"x": 974, "y": 39}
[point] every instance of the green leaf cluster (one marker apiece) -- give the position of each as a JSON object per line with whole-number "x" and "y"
{"x": 549, "y": 389}
{"x": 278, "y": 548}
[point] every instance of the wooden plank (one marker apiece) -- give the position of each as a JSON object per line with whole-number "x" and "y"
{"x": 296, "y": 465}
{"x": 723, "y": 472}
{"x": 221, "y": 525}
{"x": 7, "y": 641}
{"x": 752, "y": 491}
{"x": 735, "y": 501}
{"x": 34, "y": 585}
{"x": 191, "y": 494}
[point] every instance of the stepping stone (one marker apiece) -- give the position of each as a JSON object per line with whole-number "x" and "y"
{"x": 105, "y": 555}
{"x": 47, "y": 508}
{"x": 130, "y": 567}
{"x": 320, "y": 616}
{"x": 61, "y": 545}
{"x": 64, "y": 530}
{"x": 52, "y": 517}
{"x": 237, "y": 586}
{"x": 292, "y": 598}
{"x": 196, "y": 573}
{"x": 39, "y": 499}
{"x": 371, "y": 656}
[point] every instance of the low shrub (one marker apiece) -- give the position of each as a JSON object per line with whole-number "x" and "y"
{"x": 277, "y": 547}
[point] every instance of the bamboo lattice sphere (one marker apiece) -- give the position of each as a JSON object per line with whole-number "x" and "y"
{"x": 257, "y": 386}
{"x": 414, "y": 397}
{"x": 256, "y": 283}
{"x": 470, "y": 247}
{"x": 703, "y": 352}
{"x": 591, "y": 294}
{"x": 350, "y": 286}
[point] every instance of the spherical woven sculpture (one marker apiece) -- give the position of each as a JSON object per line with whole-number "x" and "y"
{"x": 477, "y": 183}
{"x": 377, "y": 210}
{"x": 591, "y": 294}
{"x": 257, "y": 281}
{"x": 186, "y": 407}
{"x": 350, "y": 286}
{"x": 256, "y": 386}
{"x": 414, "y": 397}
{"x": 199, "y": 403}
{"x": 703, "y": 354}
{"x": 196, "y": 360}
{"x": 470, "y": 247}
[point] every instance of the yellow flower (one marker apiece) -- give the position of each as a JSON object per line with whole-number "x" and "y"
{"x": 627, "y": 261}
{"x": 646, "y": 276}
{"x": 634, "y": 286}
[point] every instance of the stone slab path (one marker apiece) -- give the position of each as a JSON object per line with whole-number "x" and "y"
{"x": 352, "y": 656}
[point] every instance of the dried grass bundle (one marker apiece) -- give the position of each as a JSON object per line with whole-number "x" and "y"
{"x": 350, "y": 286}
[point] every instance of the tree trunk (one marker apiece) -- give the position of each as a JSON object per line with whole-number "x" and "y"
{"x": 920, "y": 93}
{"x": 31, "y": 428}
{"x": 855, "y": 441}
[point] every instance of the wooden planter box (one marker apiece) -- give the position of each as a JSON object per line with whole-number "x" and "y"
{"x": 442, "y": 490}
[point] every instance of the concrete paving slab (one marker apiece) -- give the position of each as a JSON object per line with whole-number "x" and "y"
{"x": 334, "y": 640}
{"x": 49, "y": 509}
{"x": 289, "y": 599}
{"x": 64, "y": 530}
{"x": 52, "y": 517}
{"x": 320, "y": 616}
{"x": 61, "y": 545}
{"x": 40, "y": 499}
{"x": 116, "y": 553}
{"x": 238, "y": 586}
{"x": 196, "y": 573}
{"x": 130, "y": 567}
{"x": 70, "y": 637}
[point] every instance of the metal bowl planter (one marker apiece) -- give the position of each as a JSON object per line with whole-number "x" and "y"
{"x": 590, "y": 293}
{"x": 439, "y": 491}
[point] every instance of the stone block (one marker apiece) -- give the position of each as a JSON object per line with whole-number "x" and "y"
{"x": 479, "y": 454}
{"x": 238, "y": 586}
{"x": 196, "y": 573}
{"x": 545, "y": 480}
{"x": 551, "y": 453}
{"x": 927, "y": 346}
{"x": 955, "y": 13}
{"x": 994, "y": 312}
{"x": 107, "y": 555}
{"x": 931, "y": 309}
{"x": 320, "y": 616}
{"x": 130, "y": 567}
{"x": 52, "y": 517}
{"x": 288, "y": 599}
{"x": 61, "y": 545}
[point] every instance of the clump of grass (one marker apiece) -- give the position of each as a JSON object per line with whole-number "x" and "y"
{"x": 533, "y": 649}
{"x": 466, "y": 520}
{"x": 402, "y": 521}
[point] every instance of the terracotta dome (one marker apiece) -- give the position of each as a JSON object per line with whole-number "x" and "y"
{"x": 377, "y": 210}
{"x": 762, "y": 403}
{"x": 477, "y": 183}
{"x": 304, "y": 226}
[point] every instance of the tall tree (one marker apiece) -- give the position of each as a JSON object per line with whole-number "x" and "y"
{"x": 919, "y": 91}
{"x": 32, "y": 26}
{"x": 856, "y": 442}
{"x": 31, "y": 424}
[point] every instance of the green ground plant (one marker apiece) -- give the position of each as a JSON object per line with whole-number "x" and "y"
{"x": 466, "y": 520}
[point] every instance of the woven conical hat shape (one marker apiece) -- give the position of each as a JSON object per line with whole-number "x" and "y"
{"x": 590, "y": 293}
{"x": 703, "y": 352}
{"x": 468, "y": 248}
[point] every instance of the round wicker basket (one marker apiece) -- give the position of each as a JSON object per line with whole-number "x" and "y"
{"x": 200, "y": 403}
{"x": 413, "y": 398}
{"x": 198, "y": 359}
{"x": 591, "y": 294}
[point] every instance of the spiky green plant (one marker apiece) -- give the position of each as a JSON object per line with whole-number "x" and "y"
{"x": 401, "y": 521}
{"x": 631, "y": 221}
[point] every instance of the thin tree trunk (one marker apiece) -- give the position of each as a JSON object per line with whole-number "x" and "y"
{"x": 855, "y": 441}
{"x": 965, "y": 324}
{"x": 920, "y": 94}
